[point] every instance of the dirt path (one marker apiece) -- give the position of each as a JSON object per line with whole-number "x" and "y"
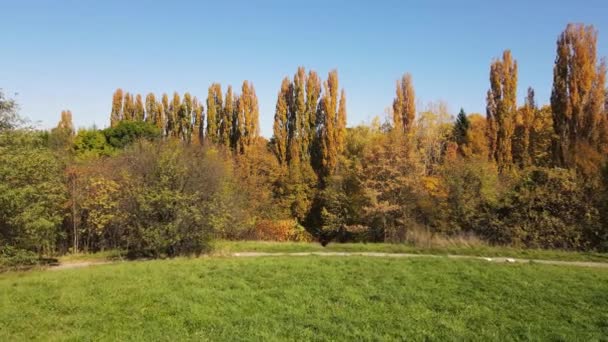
{"x": 81, "y": 264}
{"x": 409, "y": 255}
{"x": 78, "y": 264}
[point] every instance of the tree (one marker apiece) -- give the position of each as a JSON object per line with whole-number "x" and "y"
{"x": 126, "y": 133}
{"x": 32, "y": 194}
{"x": 248, "y": 117}
{"x": 173, "y": 115}
{"x": 523, "y": 129}
{"x": 461, "y": 130}
{"x": 313, "y": 93}
{"x": 199, "y": 122}
{"x": 331, "y": 124}
{"x": 166, "y": 114}
{"x": 214, "y": 111}
{"x": 128, "y": 108}
{"x": 477, "y": 142}
{"x": 61, "y": 137}
{"x": 117, "y": 109}
{"x": 139, "y": 108}
{"x": 152, "y": 110}
{"x": 501, "y": 109}
{"x": 185, "y": 118}
{"x": 226, "y": 132}
{"x": 404, "y": 104}
{"x": 280, "y": 128}
{"x": 577, "y": 96}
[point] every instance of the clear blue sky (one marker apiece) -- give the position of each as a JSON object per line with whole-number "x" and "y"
{"x": 73, "y": 54}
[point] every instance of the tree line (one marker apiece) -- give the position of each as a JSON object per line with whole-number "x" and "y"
{"x": 168, "y": 176}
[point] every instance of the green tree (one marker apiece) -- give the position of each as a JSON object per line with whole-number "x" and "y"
{"x": 32, "y": 194}
{"x": 461, "y": 130}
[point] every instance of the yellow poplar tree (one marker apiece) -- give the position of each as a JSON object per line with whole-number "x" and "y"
{"x": 116, "y": 115}
{"x": 501, "y": 109}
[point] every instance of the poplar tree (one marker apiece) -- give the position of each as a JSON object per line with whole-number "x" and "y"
{"x": 185, "y": 118}
{"x": 151, "y": 109}
{"x": 165, "y": 113}
{"x": 313, "y": 93}
{"x": 214, "y": 111}
{"x": 173, "y": 121}
{"x": 524, "y": 128}
{"x": 248, "y": 117}
{"x": 404, "y": 104}
{"x": 332, "y": 124}
{"x": 198, "y": 126}
{"x": 297, "y": 116}
{"x": 128, "y": 108}
{"x": 116, "y": 115}
{"x": 280, "y": 127}
{"x": 65, "y": 123}
{"x": 577, "y": 97}
{"x": 139, "y": 108}
{"x": 226, "y": 129}
{"x": 501, "y": 109}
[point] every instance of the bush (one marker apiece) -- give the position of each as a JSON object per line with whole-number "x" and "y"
{"x": 13, "y": 258}
{"x": 281, "y": 230}
{"x": 177, "y": 198}
{"x": 547, "y": 208}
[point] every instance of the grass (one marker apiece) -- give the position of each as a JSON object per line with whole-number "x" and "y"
{"x": 307, "y": 298}
{"x": 226, "y": 247}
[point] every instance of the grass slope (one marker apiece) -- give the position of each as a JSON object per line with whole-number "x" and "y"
{"x": 307, "y": 298}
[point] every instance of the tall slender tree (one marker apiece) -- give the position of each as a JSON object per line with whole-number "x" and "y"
{"x": 173, "y": 113}
{"x": 248, "y": 117}
{"x": 139, "y": 108}
{"x": 116, "y": 116}
{"x": 226, "y": 129}
{"x": 332, "y": 124}
{"x": 214, "y": 112}
{"x": 280, "y": 127}
{"x": 578, "y": 94}
{"x": 128, "y": 108}
{"x": 151, "y": 109}
{"x": 404, "y": 104}
{"x": 198, "y": 125}
{"x": 313, "y": 93}
{"x": 165, "y": 113}
{"x": 185, "y": 118}
{"x": 501, "y": 109}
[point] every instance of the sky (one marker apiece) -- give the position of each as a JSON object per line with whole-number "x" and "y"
{"x": 59, "y": 55}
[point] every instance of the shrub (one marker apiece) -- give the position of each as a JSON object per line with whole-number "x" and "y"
{"x": 547, "y": 208}
{"x": 13, "y": 258}
{"x": 281, "y": 230}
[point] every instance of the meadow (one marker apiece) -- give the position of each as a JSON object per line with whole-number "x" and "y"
{"x": 306, "y": 298}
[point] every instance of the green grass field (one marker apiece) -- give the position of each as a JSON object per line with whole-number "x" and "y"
{"x": 306, "y": 298}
